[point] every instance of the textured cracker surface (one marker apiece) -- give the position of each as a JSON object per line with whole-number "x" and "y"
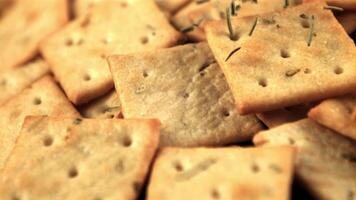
{"x": 216, "y": 10}
{"x": 108, "y": 106}
{"x": 112, "y": 27}
{"x": 25, "y": 25}
{"x": 43, "y": 97}
{"x": 275, "y": 67}
{"x": 13, "y": 81}
{"x": 184, "y": 88}
{"x": 336, "y": 114}
{"x": 90, "y": 159}
{"x": 170, "y": 6}
{"x": 222, "y": 173}
{"x": 325, "y": 160}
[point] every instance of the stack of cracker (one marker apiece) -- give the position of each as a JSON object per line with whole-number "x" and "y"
{"x": 177, "y": 99}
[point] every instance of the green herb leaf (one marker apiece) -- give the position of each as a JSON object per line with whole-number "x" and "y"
{"x": 335, "y": 8}
{"x": 77, "y": 121}
{"x": 292, "y": 72}
{"x": 187, "y": 29}
{"x": 253, "y": 27}
{"x": 311, "y": 31}
{"x": 232, "y": 53}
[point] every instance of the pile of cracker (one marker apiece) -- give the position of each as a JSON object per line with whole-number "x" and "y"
{"x": 177, "y": 99}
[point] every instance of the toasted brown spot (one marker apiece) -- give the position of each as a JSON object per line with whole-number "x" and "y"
{"x": 123, "y": 4}
{"x": 72, "y": 172}
{"x": 178, "y": 166}
{"x": 291, "y": 141}
{"x": 85, "y": 22}
{"x": 292, "y": 72}
{"x": 144, "y": 74}
{"x": 144, "y": 40}
{"x": 307, "y": 71}
{"x": 120, "y": 166}
{"x": 338, "y": 70}
{"x": 262, "y": 82}
{"x": 185, "y": 95}
{"x": 86, "y": 77}
{"x": 215, "y": 194}
{"x": 140, "y": 89}
{"x": 3, "y": 83}
{"x": 225, "y": 113}
{"x": 285, "y": 53}
{"x": 126, "y": 141}
{"x": 37, "y": 101}
{"x": 255, "y": 168}
{"x": 47, "y": 141}
{"x": 275, "y": 168}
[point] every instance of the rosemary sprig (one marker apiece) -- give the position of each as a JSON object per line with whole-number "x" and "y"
{"x": 229, "y": 24}
{"x": 233, "y": 8}
{"x": 201, "y": 1}
{"x": 335, "y": 8}
{"x": 286, "y": 3}
{"x": 232, "y": 53}
{"x": 311, "y": 31}
{"x": 253, "y": 27}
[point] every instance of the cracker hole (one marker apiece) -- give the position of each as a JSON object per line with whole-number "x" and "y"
{"x": 291, "y": 141}
{"x": 144, "y": 40}
{"x": 140, "y": 89}
{"x": 47, "y": 141}
{"x": 145, "y": 74}
{"x": 215, "y": 194}
{"x": 37, "y": 101}
{"x": 186, "y": 95}
{"x": 235, "y": 37}
{"x": 178, "y": 166}
{"x": 126, "y": 141}
{"x": 15, "y": 197}
{"x": 111, "y": 116}
{"x": 305, "y": 24}
{"x": 72, "y": 172}
{"x": 338, "y": 70}
{"x": 285, "y": 53}
{"x": 307, "y": 71}
{"x": 262, "y": 82}
{"x": 123, "y": 4}
{"x": 225, "y": 113}
{"x": 87, "y": 77}
{"x": 255, "y": 168}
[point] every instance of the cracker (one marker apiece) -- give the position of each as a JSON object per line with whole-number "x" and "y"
{"x": 25, "y": 25}
{"x": 108, "y": 106}
{"x": 222, "y": 173}
{"x": 274, "y": 66}
{"x": 215, "y": 10}
{"x": 325, "y": 161}
{"x": 43, "y": 97}
{"x": 13, "y": 81}
{"x": 111, "y": 27}
{"x": 185, "y": 89}
{"x": 81, "y": 7}
{"x": 345, "y": 4}
{"x": 80, "y": 159}
{"x": 336, "y": 115}
{"x": 348, "y": 21}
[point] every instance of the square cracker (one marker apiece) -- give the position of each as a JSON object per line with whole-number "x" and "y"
{"x": 43, "y": 97}
{"x": 222, "y": 173}
{"x": 25, "y": 25}
{"x": 80, "y": 159}
{"x": 215, "y": 10}
{"x": 336, "y": 114}
{"x": 108, "y": 106}
{"x": 185, "y": 89}
{"x": 77, "y": 54}
{"x": 325, "y": 161}
{"x": 13, "y": 81}
{"x": 275, "y": 67}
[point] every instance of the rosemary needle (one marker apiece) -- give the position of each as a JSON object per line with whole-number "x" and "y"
{"x": 229, "y": 24}
{"x": 286, "y": 3}
{"x": 311, "y": 31}
{"x": 232, "y": 53}
{"x": 233, "y": 8}
{"x": 201, "y": 1}
{"x": 253, "y": 27}
{"x": 333, "y": 8}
